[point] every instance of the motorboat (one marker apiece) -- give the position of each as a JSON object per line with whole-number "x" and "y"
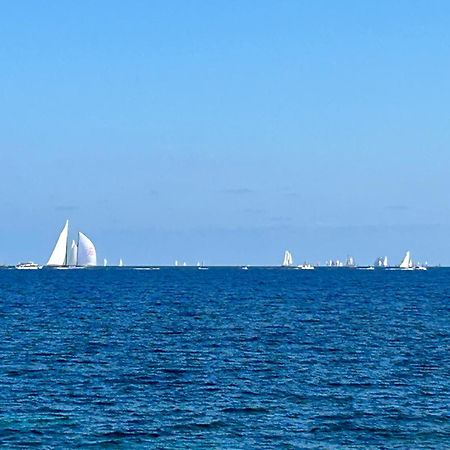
{"x": 28, "y": 266}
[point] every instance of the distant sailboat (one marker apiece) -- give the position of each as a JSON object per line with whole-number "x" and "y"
{"x": 287, "y": 260}
{"x": 120, "y": 262}
{"x": 382, "y": 262}
{"x": 105, "y": 262}
{"x": 407, "y": 263}
{"x": 350, "y": 261}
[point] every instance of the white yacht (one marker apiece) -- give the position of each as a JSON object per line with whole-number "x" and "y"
{"x": 28, "y": 266}
{"x": 306, "y": 266}
{"x": 420, "y": 266}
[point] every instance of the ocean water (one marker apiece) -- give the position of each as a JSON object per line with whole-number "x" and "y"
{"x": 224, "y": 359}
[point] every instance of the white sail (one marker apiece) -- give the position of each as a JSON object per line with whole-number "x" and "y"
{"x": 72, "y": 257}
{"x": 59, "y": 254}
{"x": 105, "y": 262}
{"x": 287, "y": 260}
{"x": 385, "y": 262}
{"x": 87, "y": 255}
{"x": 120, "y": 262}
{"x": 407, "y": 261}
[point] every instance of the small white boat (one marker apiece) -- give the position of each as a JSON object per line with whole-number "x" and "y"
{"x": 28, "y": 266}
{"x": 306, "y": 266}
{"x": 120, "y": 262}
{"x": 244, "y": 268}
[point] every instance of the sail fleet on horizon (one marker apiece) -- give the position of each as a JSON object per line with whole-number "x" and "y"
{"x": 381, "y": 262}
{"x": 82, "y": 253}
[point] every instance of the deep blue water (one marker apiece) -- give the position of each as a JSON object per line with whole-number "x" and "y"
{"x": 224, "y": 358}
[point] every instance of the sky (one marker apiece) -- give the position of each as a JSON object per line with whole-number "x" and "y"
{"x": 226, "y": 131}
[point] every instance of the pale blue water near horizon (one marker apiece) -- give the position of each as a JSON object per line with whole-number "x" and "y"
{"x": 224, "y": 358}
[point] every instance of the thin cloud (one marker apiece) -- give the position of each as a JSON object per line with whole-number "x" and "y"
{"x": 292, "y": 194}
{"x": 253, "y": 211}
{"x": 280, "y": 219}
{"x": 238, "y": 191}
{"x": 396, "y": 208}
{"x": 66, "y": 208}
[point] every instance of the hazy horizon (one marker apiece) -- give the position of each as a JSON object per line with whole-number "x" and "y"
{"x": 226, "y": 132}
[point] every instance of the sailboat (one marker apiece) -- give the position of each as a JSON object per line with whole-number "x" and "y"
{"x": 120, "y": 262}
{"x": 381, "y": 262}
{"x": 81, "y": 254}
{"x": 287, "y": 260}
{"x": 407, "y": 263}
{"x": 350, "y": 262}
{"x": 105, "y": 262}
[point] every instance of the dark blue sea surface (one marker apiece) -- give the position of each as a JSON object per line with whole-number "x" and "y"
{"x": 224, "y": 359}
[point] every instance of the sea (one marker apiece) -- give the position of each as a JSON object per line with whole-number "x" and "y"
{"x": 265, "y": 358}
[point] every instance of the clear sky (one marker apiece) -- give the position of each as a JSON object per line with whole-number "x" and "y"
{"x": 226, "y": 131}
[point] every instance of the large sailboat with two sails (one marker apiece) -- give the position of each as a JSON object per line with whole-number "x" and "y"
{"x": 81, "y": 253}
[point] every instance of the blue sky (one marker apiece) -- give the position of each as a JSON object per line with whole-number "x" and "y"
{"x": 226, "y": 131}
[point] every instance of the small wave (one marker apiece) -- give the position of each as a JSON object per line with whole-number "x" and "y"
{"x": 201, "y": 425}
{"x": 246, "y": 410}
